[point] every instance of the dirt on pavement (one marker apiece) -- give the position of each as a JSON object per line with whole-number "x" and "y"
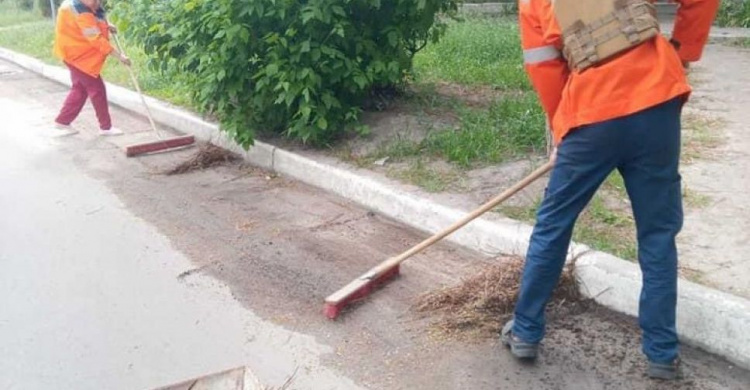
{"x": 282, "y": 246}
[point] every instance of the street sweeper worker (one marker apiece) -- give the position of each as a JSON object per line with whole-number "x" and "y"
{"x": 613, "y": 89}
{"x": 82, "y": 43}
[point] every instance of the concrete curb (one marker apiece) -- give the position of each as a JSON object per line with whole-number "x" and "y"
{"x": 707, "y": 318}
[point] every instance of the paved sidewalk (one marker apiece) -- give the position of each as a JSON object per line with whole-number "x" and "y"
{"x": 715, "y": 242}
{"x": 716, "y": 32}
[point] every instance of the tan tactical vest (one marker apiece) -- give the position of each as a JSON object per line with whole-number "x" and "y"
{"x": 595, "y": 30}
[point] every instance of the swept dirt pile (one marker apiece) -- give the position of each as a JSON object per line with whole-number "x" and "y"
{"x": 478, "y": 306}
{"x": 206, "y": 157}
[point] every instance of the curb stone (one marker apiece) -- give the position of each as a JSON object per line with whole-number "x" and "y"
{"x": 712, "y": 320}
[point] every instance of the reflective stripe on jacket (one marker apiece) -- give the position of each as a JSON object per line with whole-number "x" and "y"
{"x": 82, "y": 37}
{"x": 639, "y": 78}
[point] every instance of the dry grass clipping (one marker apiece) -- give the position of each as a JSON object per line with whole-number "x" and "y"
{"x": 479, "y": 306}
{"x": 207, "y": 156}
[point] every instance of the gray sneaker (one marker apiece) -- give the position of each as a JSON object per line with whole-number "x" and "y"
{"x": 665, "y": 371}
{"x": 518, "y": 348}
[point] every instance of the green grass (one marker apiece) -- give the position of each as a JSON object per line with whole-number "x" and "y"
{"x": 475, "y": 52}
{"x": 36, "y": 40}
{"x": 607, "y": 229}
{"x": 422, "y": 175}
{"x": 31, "y": 39}
{"x": 694, "y": 199}
{"x": 511, "y": 127}
{"x": 508, "y": 122}
{"x": 701, "y": 133}
{"x": 600, "y": 226}
{"x": 11, "y": 14}
{"x": 734, "y": 13}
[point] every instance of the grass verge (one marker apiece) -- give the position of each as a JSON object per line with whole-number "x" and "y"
{"x": 477, "y": 51}
{"x": 11, "y": 14}
{"x": 701, "y": 133}
{"x": 734, "y": 13}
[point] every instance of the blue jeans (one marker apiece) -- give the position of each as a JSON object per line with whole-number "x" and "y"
{"x": 645, "y": 148}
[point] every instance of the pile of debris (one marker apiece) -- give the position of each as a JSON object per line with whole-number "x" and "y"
{"x": 208, "y": 156}
{"x": 478, "y": 306}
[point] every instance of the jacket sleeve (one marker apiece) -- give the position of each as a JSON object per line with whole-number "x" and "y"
{"x": 89, "y": 27}
{"x": 692, "y": 26}
{"x": 541, "y": 42}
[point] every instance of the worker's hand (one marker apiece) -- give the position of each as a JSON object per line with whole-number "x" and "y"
{"x": 124, "y": 59}
{"x": 112, "y": 29}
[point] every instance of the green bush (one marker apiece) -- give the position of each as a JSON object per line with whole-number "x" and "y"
{"x": 734, "y": 13}
{"x": 299, "y": 68}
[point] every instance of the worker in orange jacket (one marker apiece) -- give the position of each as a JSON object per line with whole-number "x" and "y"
{"x": 82, "y": 43}
{"x": 620, "y": 112}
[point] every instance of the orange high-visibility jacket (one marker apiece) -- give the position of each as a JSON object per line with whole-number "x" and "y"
{"x": 82, "y": 37}
{"x": 642, "y": 77}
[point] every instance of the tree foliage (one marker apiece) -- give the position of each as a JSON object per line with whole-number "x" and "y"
{"x": 302, "y": 68}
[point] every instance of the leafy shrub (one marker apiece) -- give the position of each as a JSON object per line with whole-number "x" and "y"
{"x": 734, "y": 13}
{"x": 299, "y": 68}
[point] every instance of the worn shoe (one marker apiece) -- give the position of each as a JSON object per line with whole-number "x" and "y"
{"x": 60, "y": 130}
{"x": 519, "y": 348}
{"x": 665, "y": 371}
{"x": 111, "y": 132}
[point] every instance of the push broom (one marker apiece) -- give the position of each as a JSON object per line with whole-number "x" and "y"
{"x": 364, "y": 285}
{"x": 162, "y": 143}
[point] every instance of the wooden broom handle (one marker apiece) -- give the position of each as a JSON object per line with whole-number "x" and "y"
{"x": 492, "y": 203}
{"x": 137, "y": 86}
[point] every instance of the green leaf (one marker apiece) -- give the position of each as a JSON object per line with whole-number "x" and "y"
{"x": 361, "y": 81}
{"x": 305, "y": 47}
{"x": 393, "y": 38}
{"x": 306, "y": 111}
{"x": 338, "y": 10}
{"x": 272, "y": 69}
{"x": 322, "y": 123}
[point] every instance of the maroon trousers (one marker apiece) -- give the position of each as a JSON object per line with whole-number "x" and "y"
{"x": 85, "y": 86}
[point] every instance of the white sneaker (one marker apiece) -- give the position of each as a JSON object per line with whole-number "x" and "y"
{"x": 110, "y": 132}
{"x": 63, "y": 130}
